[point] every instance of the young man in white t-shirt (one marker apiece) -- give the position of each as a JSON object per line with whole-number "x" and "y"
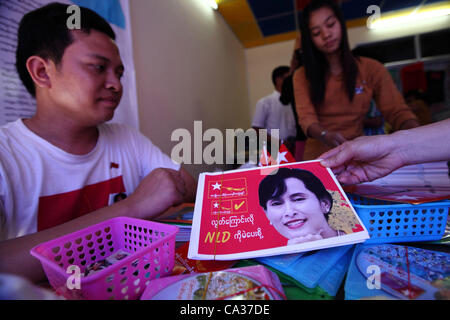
{"x": 64, "y": 168}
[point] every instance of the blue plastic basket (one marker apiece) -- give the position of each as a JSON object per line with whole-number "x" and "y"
{"x": 389, "y": 222}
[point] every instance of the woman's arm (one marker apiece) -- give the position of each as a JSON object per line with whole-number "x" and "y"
{"x": 369, "y": 158}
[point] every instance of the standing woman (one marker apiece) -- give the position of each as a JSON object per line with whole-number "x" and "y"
{"x": 333, "y": 89}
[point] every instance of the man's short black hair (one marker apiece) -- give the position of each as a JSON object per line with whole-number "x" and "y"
{"x": 44, "y": 32}
{"x": 279, "y": 72}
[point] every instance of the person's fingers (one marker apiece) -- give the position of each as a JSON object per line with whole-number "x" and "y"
{"x": 338, "y": 170}
{"x": 352, "y": 168}
{"x": 349, "y": 178}
{"x": 340, "y": 139}
{"x": 336, "y": 143}
{"x": 344, "y": 179}
{"x": 329, "y": 154}
{"x": 342, "y": 156}
{"x": 336, "y": 139}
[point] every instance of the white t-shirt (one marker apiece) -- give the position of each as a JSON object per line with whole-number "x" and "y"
{"x": 272, "y": 114}
{"x": 42, "y": 186}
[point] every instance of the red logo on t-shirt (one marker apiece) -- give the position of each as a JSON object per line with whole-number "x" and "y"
{"x": 114, "y": 165}
{"x": 59, "y": 208}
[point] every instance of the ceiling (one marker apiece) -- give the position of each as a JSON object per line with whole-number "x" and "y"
{"x": 260, "y": 22}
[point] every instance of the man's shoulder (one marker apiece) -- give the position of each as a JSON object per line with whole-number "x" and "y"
{"x": 274, "y": 96}
{"x": 14, "y": 143}
{"x": 11, "y": 131}
{"x": 10, "y": 127}
{"x": 261, "y": 100}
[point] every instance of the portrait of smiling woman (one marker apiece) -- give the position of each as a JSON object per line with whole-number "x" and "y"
{"x": 297, "y": 205}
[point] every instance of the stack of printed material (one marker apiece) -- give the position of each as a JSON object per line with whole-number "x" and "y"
{"x": 272, "y": 210}
{"x": 413, "y": 184}
{"x": 319, "y": 273}
{"x": 386, "y": 271}
{"x": 180, "y": 216}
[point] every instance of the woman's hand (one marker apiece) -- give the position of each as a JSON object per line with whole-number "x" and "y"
{"x": 363, "y": 159}
{"x": 333, "y": 139}
{"x": 369, "y": 158}
{"x": 329, "y": 138}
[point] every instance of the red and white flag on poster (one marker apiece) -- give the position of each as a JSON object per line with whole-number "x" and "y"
{"x": 265, "y": 159}
{"x": 284, "y": 155}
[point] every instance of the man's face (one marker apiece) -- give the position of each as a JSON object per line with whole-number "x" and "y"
{"x": 86, "y": 85}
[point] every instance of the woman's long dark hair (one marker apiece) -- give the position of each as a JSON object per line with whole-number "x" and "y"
{"x": 314, "y": 61}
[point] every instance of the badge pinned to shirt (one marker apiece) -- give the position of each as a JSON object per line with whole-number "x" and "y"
{"x": 116, "y": 197}
{"x": 114, "y": 165}
{"x": 360, "y": 89}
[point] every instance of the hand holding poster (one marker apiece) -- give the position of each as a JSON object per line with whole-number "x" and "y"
{"x": 269, "y": 211}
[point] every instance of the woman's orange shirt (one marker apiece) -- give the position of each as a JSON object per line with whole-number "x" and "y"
{"x": 339, "y": 114}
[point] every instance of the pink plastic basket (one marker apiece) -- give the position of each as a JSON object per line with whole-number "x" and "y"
{"x": 152, "y": 248}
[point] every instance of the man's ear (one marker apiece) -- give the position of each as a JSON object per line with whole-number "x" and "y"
{"x": 38, "y": 68}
